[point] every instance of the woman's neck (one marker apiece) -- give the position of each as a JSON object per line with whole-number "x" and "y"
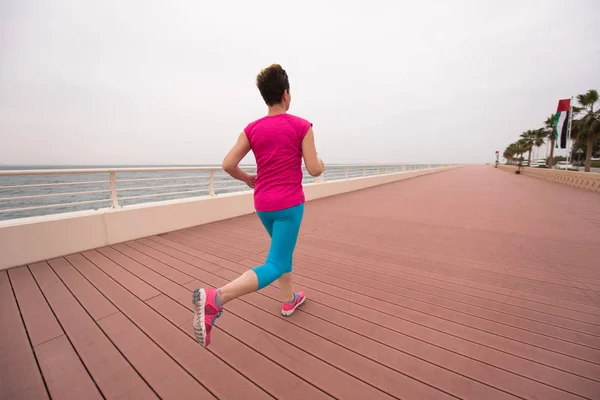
{"x": 276, "y": 109}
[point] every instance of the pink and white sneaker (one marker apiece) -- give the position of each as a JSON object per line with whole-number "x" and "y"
{"x": 288, "y": 308}
{"x": 206, "y": 312}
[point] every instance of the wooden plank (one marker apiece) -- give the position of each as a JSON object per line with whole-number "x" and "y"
{"x": 466, "y": 387}
{"x": 420, "y": 278}
{"x": 272, "y": 377}
{"x": 166, "y": 377}
{"x": 454, "y": 361}
{"x": 112, "y": 373}
{"x": 453, "y": 310}
{"x": 422, "y": 273}
{"x": 582, "y": 352}
{"x": 336, "y": 264}
{"x": 219, "y": 378}
{"x": 468, "y": 260}
{"x": 349, "y": 201}
{"x": 20, "y": 377}
{"x": 361, "y": 306}
{"x": 374, "y": 257}
{"x": 400, "y": 375}
{"x": 41, "y": 324}
{"x": 94, "y": 302}
{"x": 184, "y": 264}
{"x": 63, "y": 372}
{"x": 265, "y": 340}
{"x": 572, "y": 294}
{"x": 418, "y": 273}
{"x": 138, "y": 287}
{"x": 537, "y": 372}
{"x": 155, "y": 265}
{"x": 351, "y": 331}
{"x": 471, "y": 387}
{"x": 585, "y": 353}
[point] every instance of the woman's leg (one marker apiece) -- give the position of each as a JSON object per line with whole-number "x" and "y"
{"x": 284, "y": 236}
{"x": 248, "y": 281}
{"x": 285, "y": 281}
{"x": 283, "y": 226}
{"x": 285, "y": 286}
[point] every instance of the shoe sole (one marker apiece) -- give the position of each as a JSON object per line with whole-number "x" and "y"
{"x": 199, "y": 299}
{"x": 288, "y": 313}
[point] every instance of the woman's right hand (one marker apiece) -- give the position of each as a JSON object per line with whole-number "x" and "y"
{"x": 314, "y": 165}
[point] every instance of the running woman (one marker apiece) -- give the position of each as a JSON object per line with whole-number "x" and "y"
{"x": 279, "y": 142}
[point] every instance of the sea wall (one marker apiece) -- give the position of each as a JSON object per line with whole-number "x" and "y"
{"x": 29, "y": 240}
{"x": 583, "y": 180}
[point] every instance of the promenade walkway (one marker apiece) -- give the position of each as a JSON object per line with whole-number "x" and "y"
{"x": 473, "y": 283}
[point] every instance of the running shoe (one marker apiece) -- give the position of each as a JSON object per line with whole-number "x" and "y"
{"x": 206, "y": 313}
{"x": 288, "y": 308}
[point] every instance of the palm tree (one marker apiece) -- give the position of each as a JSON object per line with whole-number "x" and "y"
{"x": 550, "y": 135}
{"x": 587, "y": 127}
{"x": 527, "y": 142}
{"x": 539, "y": 139}
{"x": 510, "y": 152}
{"x": 518, "y": 148}
{"x": 513, "y": 150}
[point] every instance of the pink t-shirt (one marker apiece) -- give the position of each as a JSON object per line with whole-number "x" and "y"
{"x": 276, "y": 142}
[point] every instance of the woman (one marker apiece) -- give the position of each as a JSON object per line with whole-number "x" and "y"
{"x": 279, "y": 142}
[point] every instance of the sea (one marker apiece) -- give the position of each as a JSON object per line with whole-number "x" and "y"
{"x": 24, "y": 196}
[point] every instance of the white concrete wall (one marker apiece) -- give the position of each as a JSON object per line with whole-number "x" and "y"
{"x": 583, "y": 180}
{"x": 29, "y": 240}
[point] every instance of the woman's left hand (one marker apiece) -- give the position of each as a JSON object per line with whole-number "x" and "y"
{"x": 251, "y": 181}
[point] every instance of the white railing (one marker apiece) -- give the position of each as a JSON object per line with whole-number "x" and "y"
{"x": 25, "y": 193}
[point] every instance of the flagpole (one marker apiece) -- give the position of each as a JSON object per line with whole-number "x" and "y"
{"x": 569, "y": 130}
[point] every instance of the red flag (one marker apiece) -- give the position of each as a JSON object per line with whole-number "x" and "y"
{"x": 563, "y": 105}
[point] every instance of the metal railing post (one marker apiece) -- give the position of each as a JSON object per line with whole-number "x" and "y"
{"x": 211, "y": 183}
{"x": 113, "y": 189}
{"x": 347, "y": 172}
{"x": 365, "y": 172}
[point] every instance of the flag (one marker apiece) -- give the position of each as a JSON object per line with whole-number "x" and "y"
{"x": 561, "y": 122}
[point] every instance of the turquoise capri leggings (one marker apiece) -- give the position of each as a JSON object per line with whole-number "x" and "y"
{"x": 283, "y": 227}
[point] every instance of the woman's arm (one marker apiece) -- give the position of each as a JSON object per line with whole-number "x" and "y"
{"x": 314, "y": 165}
{"x": 233, "y": 159}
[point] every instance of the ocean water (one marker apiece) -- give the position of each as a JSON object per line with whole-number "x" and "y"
{"x": 59, "y": 193}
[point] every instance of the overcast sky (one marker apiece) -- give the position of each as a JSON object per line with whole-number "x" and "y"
{"x": 158, "y": 82}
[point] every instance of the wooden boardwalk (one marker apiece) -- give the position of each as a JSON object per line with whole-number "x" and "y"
{"x": 473, "y": 283}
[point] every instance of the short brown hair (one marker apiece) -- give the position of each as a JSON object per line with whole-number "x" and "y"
{"x": 272, "y": 82}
